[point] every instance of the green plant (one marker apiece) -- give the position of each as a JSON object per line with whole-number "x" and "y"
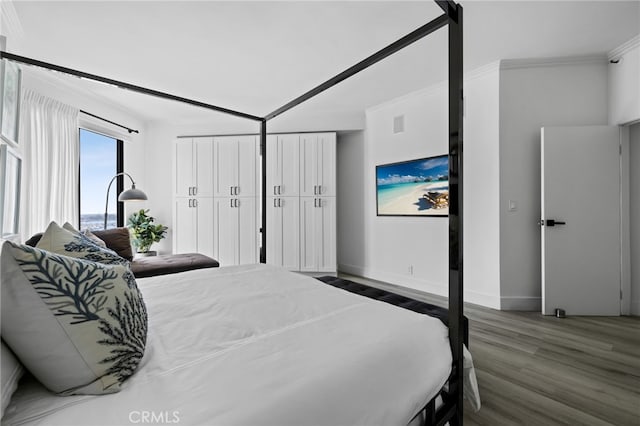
{"x": 143, "y": 231}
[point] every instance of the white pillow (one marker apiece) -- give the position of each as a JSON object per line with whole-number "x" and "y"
{"x": 79, "y": 327}
{"x": 10, "y": 373}
{"x": 74, "y": 244}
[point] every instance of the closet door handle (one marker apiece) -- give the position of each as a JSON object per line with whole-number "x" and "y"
{"x": 237, "y": 202}
{"x": 231, "y": 202}
{"x": 279, "y": 202}
{"x": 279, "y": 188}
{"x": 275, "y": 190}
{"x": 195, "y": 190}
{"x": 195, "y": 203}
{"x": 275, "y": 204}
{"x": 189, "y": 202}
{"x": 237, "y": 190}
{"x": 319, "y": 189}
{"x": 315, "y": 189}
{"x": 189, "y": 192}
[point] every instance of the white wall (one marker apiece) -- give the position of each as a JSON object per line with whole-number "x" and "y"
{"x": 570, "y": 92}
{"x": 350, "y": 200}
{"x": 634, "y": 201}
{"x": 624, "y": 83}
{"x": 395, "y": 244}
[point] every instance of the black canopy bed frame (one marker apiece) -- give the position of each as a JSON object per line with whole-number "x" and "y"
{"x": 452, "y": 408}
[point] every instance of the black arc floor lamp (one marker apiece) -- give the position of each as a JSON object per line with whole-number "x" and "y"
{"x": 132, "y": 194}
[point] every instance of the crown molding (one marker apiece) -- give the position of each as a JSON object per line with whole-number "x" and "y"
{"x": 624, "y": 48}
{"x": 12, "y": 28}
{"x": 507, "y": 64}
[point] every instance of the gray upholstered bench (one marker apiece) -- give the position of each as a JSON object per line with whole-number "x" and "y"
{"x": 117, "y": 239}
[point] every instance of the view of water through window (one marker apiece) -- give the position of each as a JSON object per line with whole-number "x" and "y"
{"x": 98, "y": 165}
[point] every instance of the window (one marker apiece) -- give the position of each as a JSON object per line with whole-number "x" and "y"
{"x": 101, "y": 158}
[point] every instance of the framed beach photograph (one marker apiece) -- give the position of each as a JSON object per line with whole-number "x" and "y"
{"x": 10, "y": 77}
{"x": 10, "y": 170}
{"x": 413, "y": 188}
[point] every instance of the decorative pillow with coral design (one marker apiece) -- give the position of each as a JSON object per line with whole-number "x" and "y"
{"x": 75, "y": 244}
{"x": 80, "y": 327}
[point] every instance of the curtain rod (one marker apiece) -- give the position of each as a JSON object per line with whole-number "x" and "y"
{"x": 123, "y": 85}
{"x": 110, "y": 122}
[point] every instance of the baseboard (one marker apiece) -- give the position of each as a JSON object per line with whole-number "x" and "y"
{"x": 486, "y": 300}
{"x": 532, "y": 304}
{"x": 635, "y": 307}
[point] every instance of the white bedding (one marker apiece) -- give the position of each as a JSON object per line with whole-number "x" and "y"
{"x": 258, "y": 345}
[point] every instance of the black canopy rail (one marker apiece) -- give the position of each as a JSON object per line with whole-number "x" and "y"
{"x": 452, "y": 409}
{"x": 123, "y": 85}
{"x": 128, "y": 129}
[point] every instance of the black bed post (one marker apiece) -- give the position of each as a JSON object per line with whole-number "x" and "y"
{"x": 456, "y": 330}
{"x": 263, "y": 224}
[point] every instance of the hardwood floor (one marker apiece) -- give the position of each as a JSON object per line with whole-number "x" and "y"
{"x": 538, "y": 370}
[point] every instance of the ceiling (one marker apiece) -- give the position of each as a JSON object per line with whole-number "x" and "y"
{"x": 256, "y": 56}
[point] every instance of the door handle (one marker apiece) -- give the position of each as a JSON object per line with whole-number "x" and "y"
{"x": 552, "y": 222}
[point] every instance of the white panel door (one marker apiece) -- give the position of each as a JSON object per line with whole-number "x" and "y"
{"x": 248, "y": 154}
{"x": 226, "y": 160}
{"x": 184, "y": 168}
{"x": 226, "y": 239}
{"x": 247, "y": 230}
{"x": 203, "y": 152}
{"x": 326, "y": 234}
{"x": 283, "y": 232}
{"x": 581, "y": 211}
{"x": 289, "y": 146}
{"x": 326, "y": 168}
{"x": 309, "y": 244}
{"x": 308, "y": 165}
{"x": 205, "y": 223}
{"x": 274, "y": 165}
{"x": 185, "y": 229}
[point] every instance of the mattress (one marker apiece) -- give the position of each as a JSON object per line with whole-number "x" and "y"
{"x": 259, "y": 345}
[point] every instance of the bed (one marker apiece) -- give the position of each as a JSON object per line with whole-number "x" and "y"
{"x": 392, "y": 371}
{"x": 259, "y": 345}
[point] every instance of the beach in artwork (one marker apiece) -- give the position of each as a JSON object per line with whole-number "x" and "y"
{"x": 419, "y": 187}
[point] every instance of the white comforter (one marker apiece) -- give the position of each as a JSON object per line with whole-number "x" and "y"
{"x": 258, "y": 345}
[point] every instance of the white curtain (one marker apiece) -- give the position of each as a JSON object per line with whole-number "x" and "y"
{"x": 51, "y": 157}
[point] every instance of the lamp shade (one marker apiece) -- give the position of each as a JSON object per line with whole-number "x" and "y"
{"x": 132, "y": 194}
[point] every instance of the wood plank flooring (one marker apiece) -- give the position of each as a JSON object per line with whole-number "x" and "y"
{"x": 538, "y": 370}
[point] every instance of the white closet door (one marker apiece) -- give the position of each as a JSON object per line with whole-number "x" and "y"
{"x": 289, "y": 146}
{"x": 226, "y": 239}
{"x": 247, "y": 230}
{"x": 184, "y": 170}
{"x": 274, "y": 165}
{"x": 308, "y": 165}
{"x": 185, "y": 226}
{"x": 203, "y": 152}
{"x": 290, "y": 232}
{"x": 274, "y": 232}
{"x": 326, "y": 168}
{"x": 205, "y": 223}
{"x": 226, "y": 166}
{"x": 326, "y": 235}
{"x": 309, "y": 244}
{"x": 248, "y": 154}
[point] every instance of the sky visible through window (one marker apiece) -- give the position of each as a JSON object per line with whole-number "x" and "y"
{"x": 98, "y": 164}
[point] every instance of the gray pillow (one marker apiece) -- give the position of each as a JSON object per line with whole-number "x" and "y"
{"x": 74, "y": 244}
{"x": 79, "y": 327}
{"x": 85, "y": 232}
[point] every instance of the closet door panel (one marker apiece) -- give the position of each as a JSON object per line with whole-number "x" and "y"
{"x": 274, "y": 165}
{"x": 203, "y": 152}
{"x": 226, "y": 231}
{"x": 274, "y": 232}
{"x": 205, "y": 223}
{"x": 248, "y": 154}
{"x": 226, "y": 166}
{"x": 247, "y": 230}
{"x": 184, "y": 226}
{"x": 308, "y": 165}
{"x": 289, "y": 146}
{"x": 308, "y": 234}
{"x": 326, "y": 235}
{"x": 290, "y": 233}
{"x": 326, "y": 167}
{"x": 184, "y": 177}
